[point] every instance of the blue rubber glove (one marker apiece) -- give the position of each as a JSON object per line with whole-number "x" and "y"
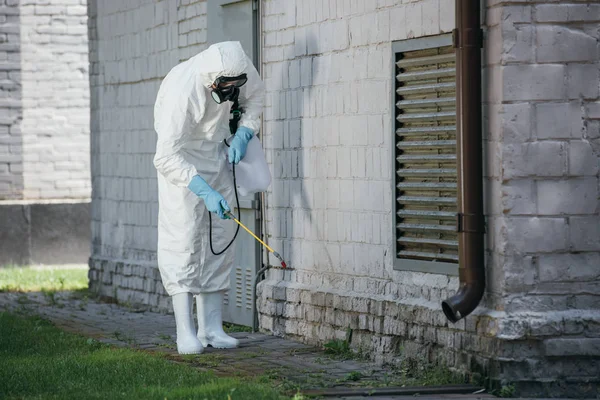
{"x": 237, "y": 147}
{"x": 213, "y": 200}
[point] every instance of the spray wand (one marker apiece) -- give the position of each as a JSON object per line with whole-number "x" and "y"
{"x": 276, "y": 254}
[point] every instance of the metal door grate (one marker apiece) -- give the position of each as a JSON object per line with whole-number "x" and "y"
{"x": 249, "y": 282}
{"x": 425, "y": 154}
{"x": 239, "y": 287}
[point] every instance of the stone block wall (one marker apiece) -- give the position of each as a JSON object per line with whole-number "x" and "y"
{"x": 44, "y": 139}
{"x": 44, "y": 233}
{"x": 542, "y": 147}
{"x": 329, "y": 142}
{"x": 543, "y": 71}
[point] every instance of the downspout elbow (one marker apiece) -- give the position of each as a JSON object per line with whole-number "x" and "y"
{"x": 464, "y": 301}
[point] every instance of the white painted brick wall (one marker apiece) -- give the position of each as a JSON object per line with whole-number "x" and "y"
{"x": 11, "y": 144}
{"x": 335, "y": 56}
{"x": 46, "y": 104}
{"x": 133, "y": 46}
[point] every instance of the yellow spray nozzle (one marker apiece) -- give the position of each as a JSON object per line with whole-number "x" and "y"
{"x": 230, "y": 215}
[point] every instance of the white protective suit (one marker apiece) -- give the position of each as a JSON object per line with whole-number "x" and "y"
{"x": 191, "y": 128}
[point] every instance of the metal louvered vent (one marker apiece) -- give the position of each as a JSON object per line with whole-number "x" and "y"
{"x": 249, "y": 281}
{"x": 239, "y": 288}
{"x": 425, "y": 158}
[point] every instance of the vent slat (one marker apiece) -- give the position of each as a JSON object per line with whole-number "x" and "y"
{"x": 437, "y": 59}
{"x": 428, "y": 256}
{"x": 426, "y": 130}
{"x": 426, "y": 144}
{"x": 426, "y": 75}
{"x": 426, "y": 228}
{"x": 426, "y": 158}
{"x": 427, "y": 185}
{"x": 423, "y": 103}
{"x": 426, "y": 200}
{"x": 438, "y": 242}
{"x": 431, "y": 116}
{"x": 427, "y": 214}
{"x": 426, "y": 172}
{"x": 429, "y": 88}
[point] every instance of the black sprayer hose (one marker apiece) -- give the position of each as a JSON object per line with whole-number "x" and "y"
{"x": 237, "y": 200}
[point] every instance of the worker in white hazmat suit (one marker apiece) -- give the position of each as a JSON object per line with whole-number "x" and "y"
{"x": 191, "y": 118}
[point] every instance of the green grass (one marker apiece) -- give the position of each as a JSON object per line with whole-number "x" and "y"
{"x": 340, "y": 349}
{"x": 40, "y": 361}
{"x": 507, "y": 391}
{"x": 231, "y": 328}
{"x": 420, "y": 372}
{"x": 47, "y": 279}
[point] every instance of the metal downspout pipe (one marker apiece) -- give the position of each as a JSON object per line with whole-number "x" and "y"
{"x": 468, "y": 40}
{"x": 263, "y": 203}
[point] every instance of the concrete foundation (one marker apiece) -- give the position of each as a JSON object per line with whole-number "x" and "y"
{"x": 44, "y": 233}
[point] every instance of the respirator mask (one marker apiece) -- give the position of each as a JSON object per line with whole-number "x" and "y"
{"x": 227, "y": 88}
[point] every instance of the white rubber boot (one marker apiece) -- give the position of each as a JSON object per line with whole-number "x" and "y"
{"x": 210, "y": 321}
{"x": 187, "y": 342}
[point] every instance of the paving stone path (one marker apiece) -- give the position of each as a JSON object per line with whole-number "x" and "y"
{"x": 290, "y": 364}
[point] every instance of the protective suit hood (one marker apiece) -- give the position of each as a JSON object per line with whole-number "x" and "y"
{"x": 220, "y": 59}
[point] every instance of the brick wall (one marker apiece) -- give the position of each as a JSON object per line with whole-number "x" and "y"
{"x": 44, "y": 143}
{"x": 329, "y": 140}
{"x": 327, "y": 67}
{"x": 133, "y": 45}
{"x": 328, "y": 135}
{"x": 55, "y": 126}
{"x": 11, "y": 159}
